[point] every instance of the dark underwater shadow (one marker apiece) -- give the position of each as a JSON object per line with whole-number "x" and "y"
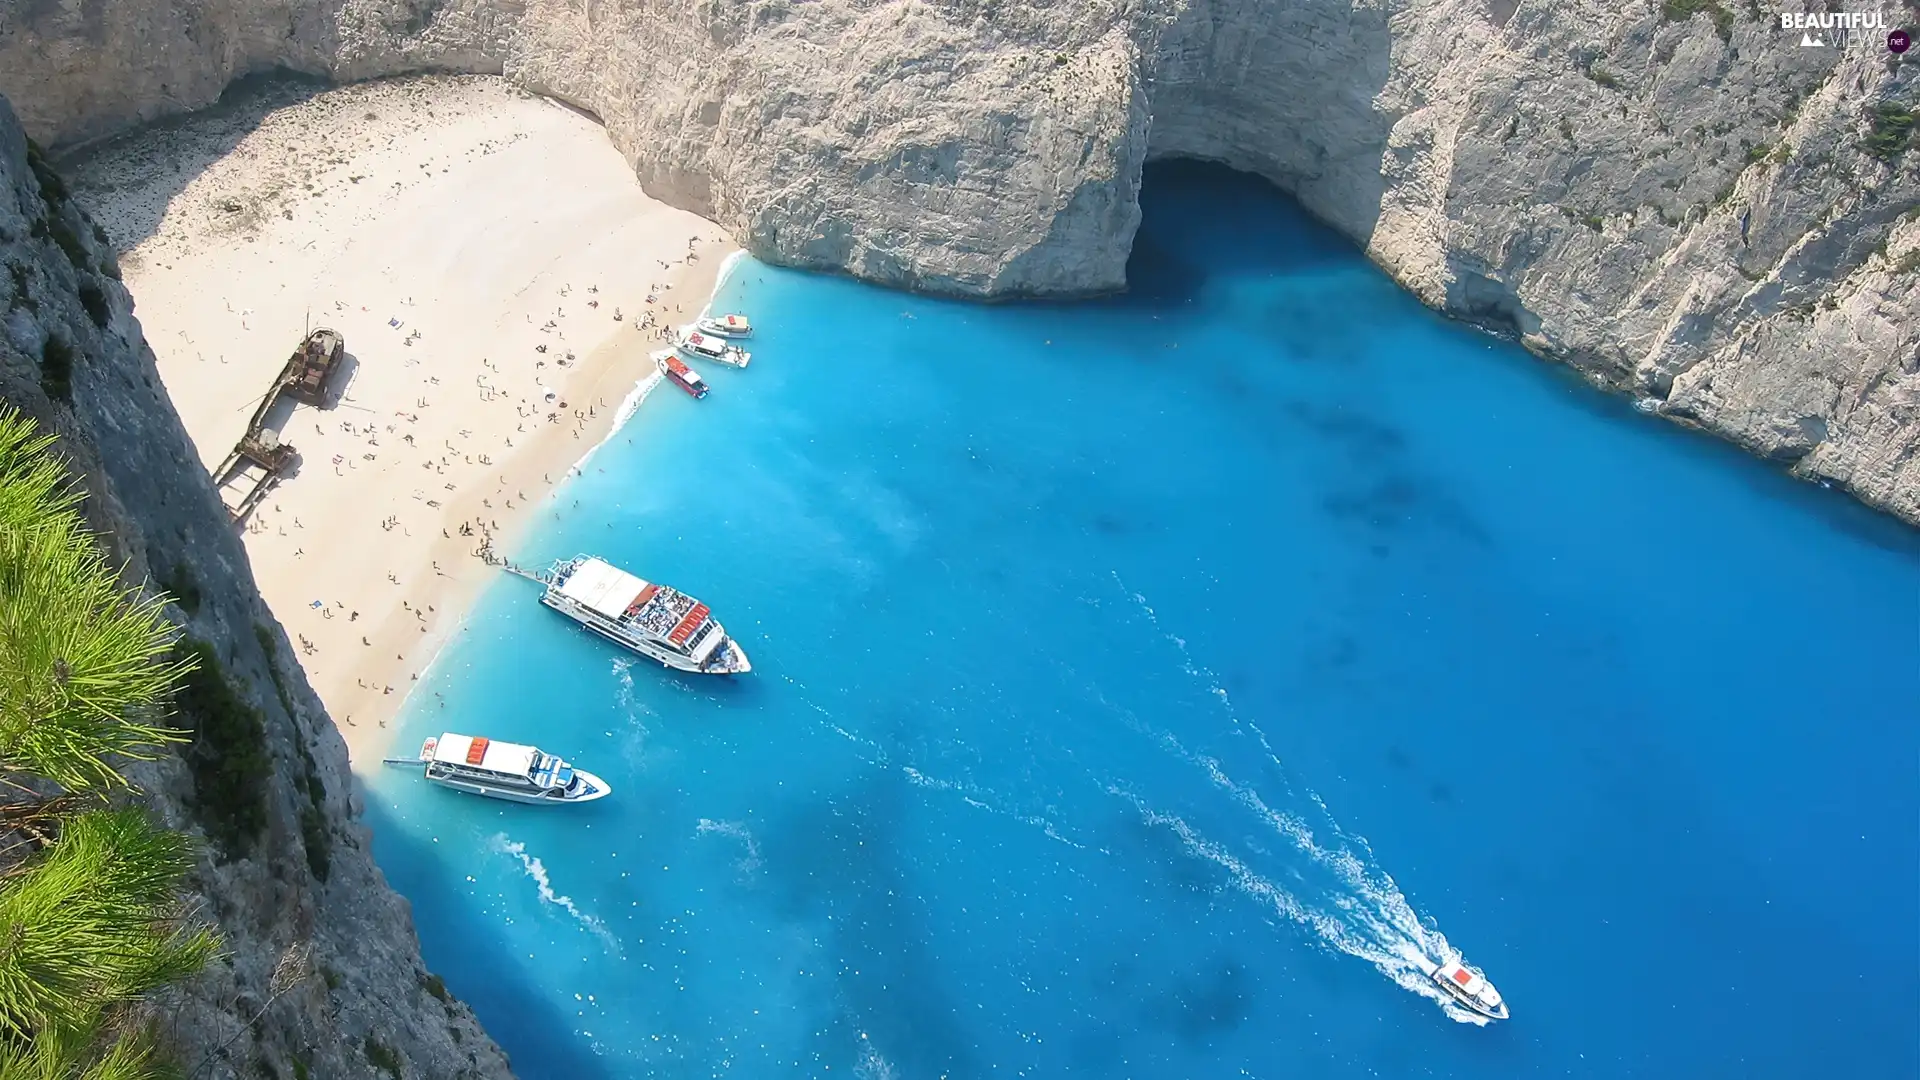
{"x": 835, "y": 864}
{"x": 159, "y": 159}
{"x": 468, "y": 952}
{"x": 1200, "y": 220}
{"x": 1831, "y": 505}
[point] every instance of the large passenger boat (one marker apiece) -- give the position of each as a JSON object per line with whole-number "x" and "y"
{"x": 502, "y": 770}
{"x": 1468, "y": 987}
{"x": 653, "y": 620}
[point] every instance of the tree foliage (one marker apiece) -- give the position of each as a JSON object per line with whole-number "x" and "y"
{"x": 80, "y": 655}
{"x": 90, "y": 919}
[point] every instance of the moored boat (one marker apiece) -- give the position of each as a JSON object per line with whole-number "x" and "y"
{"x": 727, "y": 326}
{"x": 1469, "y": 987}
{"x": 680, "y": 374}
{"x": 501, "y": 770}
{"x": 707, "y": 347}
{"x": 654, "y": 620}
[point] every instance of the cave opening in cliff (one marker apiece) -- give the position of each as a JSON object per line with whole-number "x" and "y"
{"x": 1201, "y": 219}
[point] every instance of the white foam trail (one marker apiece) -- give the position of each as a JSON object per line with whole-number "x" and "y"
{"x": 1325, "y": 927}
{"x": 1378, "y": 923}
{"x": 737, "y": 831}
{"x": 871, "y": 1065}
{"x": 537, "y": 870}
{"x": 877, "y": 756}
{"x": 980, "y": 800}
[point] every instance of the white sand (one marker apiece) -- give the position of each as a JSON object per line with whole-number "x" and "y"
{"x": 487, "y": 223}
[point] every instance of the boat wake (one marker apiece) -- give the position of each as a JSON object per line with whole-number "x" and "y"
{"x": 982, "y": 800}
{"x": 537, "y": 870}
{"x": 871, "y": 1065}
{"x": 877, "y": 756}
{"x": 1338, "y": 892}
{"x": 749, "y": 863}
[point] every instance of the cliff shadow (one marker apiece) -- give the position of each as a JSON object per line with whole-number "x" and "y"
{"x": 126, "y": 182}
{"x": 467, "y": 951}
{"x": 1201, "y": 219}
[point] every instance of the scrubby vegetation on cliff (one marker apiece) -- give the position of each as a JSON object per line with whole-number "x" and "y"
{"x": 90, "y": 917}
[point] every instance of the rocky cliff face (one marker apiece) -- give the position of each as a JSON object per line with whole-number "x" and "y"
{"x": 323, "y": 976}
{"x": 1675, "y": 198}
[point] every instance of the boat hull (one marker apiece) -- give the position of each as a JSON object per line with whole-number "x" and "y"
{"x": 695, "y": 392}
{"x": 595, "y": 790}
{"x": 732, "y": 357}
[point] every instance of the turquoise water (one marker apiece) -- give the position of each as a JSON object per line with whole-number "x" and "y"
{"x": 1140, "y": 684}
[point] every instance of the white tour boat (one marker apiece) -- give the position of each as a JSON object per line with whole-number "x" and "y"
{"x": 707, "y": 347}
{"x": 500, "y": 770}
{"x": 652, "y": 620}
{"x": 728, "y": 326}
{"x": 1468, "y": 987}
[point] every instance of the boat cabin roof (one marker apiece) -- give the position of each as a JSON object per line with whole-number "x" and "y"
{"x": 1463, "y": 977}
{"x": 604, "y": 587}
{"x": 480, "y": 752}
{"x": 734, "y": 322}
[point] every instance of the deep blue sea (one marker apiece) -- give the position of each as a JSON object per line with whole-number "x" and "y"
{"x": 1141, "y": 684}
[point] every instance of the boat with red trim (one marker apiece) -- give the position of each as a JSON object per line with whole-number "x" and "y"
{"x": 654, "y": 620}
{"x": 707, "y": 347}
{"x": 678, "y": 373}
{"x": 515, "y": 772}
{"x": 727, "y": 326}
{"x": 1469, "y": 987}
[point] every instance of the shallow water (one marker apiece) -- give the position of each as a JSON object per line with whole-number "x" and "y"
{"x": 1140, "y": 685}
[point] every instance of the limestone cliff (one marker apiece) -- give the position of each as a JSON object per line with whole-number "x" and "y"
{"x": 323, "y": 976}
{"x": 1676, "y": 198}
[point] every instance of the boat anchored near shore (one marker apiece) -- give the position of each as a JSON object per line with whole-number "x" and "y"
{"x": 478, "y": 765}
{"x": 1468, "y": 987}
{"x": 656, "y": 621}
{"x": 728, "y": 326}
{"x": 677, "y": 371}
{"x": 705, "y": 346}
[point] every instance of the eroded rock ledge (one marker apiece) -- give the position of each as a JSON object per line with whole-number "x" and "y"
{"x": 1694, "y": 210}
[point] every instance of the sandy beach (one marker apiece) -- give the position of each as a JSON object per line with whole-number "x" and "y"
{"x": 500, "y": 281}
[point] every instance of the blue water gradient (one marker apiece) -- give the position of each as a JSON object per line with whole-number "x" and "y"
{"x": 1142, "y": 685}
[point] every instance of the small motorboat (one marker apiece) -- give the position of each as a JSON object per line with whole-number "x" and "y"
{"x": 680, "y": 374}
{"x": 726, "y": 326}
{"x": 708, "y": 347}
{"x": 1468, "y": 987}
{"x": 478, "y": 765}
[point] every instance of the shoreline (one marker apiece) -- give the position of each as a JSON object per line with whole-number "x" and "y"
{"x": 501, "y": 283}
{"x": 625, "y": 370}
{"x": 608, "y": 418}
